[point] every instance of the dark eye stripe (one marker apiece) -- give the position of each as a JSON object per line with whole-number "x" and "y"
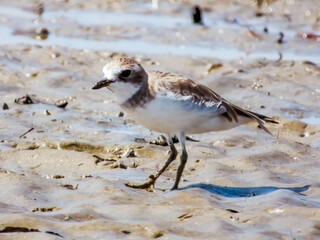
{"x": 125, "y": 73}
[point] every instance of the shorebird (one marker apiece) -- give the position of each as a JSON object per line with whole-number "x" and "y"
{"x": 172, "y": 104}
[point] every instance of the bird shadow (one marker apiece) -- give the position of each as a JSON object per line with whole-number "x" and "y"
{"x": 238, "y": 192}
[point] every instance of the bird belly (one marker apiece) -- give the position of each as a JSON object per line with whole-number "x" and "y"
{"x": 172, "y": 116}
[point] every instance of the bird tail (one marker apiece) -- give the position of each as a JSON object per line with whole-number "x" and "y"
{"x": 261, "y": 119}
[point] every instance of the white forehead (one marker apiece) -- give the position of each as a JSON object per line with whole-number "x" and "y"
{"x": 111, "y": 71}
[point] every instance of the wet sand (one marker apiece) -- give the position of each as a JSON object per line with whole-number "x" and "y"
{"x": 66, "y": 151}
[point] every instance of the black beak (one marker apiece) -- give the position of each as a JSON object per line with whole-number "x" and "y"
{"x": 102, "y": 83}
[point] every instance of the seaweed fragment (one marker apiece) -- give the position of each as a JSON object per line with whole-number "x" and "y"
{"x": 196, "y": 15}
{"x": 5, "y": 106}
{"x": 24, "y": 100}
{"x": 22, "y": 135}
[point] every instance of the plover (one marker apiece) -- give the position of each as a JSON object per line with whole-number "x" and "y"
{"x": 171, "y": 104}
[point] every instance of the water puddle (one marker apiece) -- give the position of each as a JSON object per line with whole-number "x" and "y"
{"x": 97, "y": 17}
{"x": 92, "y": 17}
{"x": 312, "y": 120}
{"x": 129, "y": 46}
{"x": 132, "y": 46}
{"x": 14, "y": 12}
{"x": 198, "y": 48}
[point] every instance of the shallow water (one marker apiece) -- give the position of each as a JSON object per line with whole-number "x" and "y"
{"x": 205, "y": 48}
{"x": 62, "y": 170}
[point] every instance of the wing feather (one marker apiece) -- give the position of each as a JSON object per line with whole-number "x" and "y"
{"x": 186, "y": 88}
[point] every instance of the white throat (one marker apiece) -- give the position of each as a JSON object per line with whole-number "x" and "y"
{"x": 123, "y": 90}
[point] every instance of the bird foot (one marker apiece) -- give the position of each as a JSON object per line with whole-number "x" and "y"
{"x": 174, "y": 188}
{"x": 147, "y": 185}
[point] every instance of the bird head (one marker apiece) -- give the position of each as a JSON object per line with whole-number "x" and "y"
{"x": 122, "y": 76}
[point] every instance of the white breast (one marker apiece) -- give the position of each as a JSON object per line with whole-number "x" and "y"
{"x": 172, "y": 116}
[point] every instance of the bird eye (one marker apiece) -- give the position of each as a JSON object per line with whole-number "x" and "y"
{"x": 125, "y": 73}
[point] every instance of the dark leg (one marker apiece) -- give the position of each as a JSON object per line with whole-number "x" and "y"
{"x": 150, "y": 181}
{"x": 183, "y": 159}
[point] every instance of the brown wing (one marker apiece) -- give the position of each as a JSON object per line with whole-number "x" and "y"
{"x": 186, "y": 87}
{"x": 201, "y": 94}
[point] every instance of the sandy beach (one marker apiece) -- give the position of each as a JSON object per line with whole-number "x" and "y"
{"x": 66, "y": 150}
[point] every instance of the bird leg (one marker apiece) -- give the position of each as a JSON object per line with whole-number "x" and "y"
{"x": 150, "y": 181}
{"x": 183, "y": 160}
